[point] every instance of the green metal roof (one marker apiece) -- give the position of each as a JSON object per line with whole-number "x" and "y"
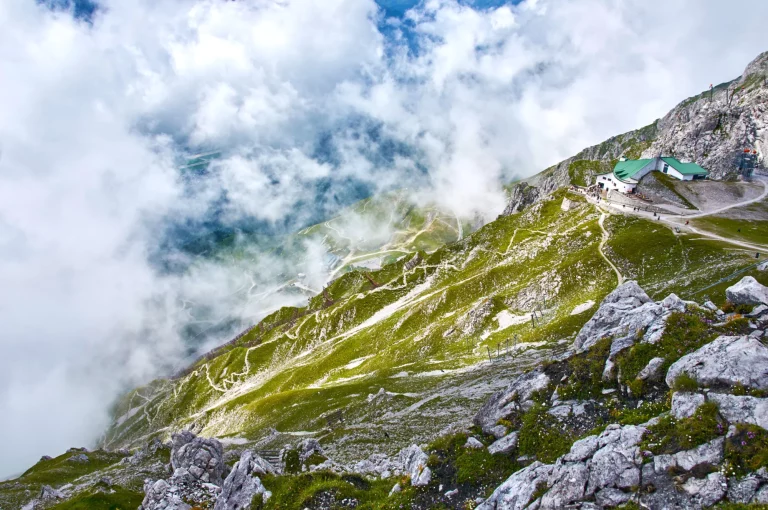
{"x": 685, "y": 168}
{"x": 626, "y": 169}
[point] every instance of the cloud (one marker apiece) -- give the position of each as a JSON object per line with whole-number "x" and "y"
{"x": 304, "y": 99}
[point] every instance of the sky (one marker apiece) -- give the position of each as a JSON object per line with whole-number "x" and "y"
{"x": 101, "y": 104}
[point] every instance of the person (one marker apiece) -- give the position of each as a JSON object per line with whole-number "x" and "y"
{"x": 686, "y": 222}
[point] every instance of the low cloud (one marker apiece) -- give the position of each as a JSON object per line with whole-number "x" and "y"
{"x": 302, "y": 98}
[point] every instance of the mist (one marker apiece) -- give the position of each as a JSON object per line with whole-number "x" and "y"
{"x": 313, "y": 105}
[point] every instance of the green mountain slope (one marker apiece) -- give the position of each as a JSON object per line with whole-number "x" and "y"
{"x": 422, "y": 333}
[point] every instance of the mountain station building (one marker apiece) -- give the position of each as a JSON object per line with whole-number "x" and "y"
{"x": 628, "y": 172}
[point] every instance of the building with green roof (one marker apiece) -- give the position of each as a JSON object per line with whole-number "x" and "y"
{"x": 628, "y": 172}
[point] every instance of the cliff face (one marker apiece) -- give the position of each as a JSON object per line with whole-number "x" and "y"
{"x": 711, "y": 129}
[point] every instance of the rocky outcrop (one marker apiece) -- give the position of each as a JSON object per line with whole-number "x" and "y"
{"x": 201, "y": 457}
{"x": 523, "y": 195}
{"x": 607, "y": 464}
{"x": 160, "y": 495}
{"x": 513, "y": 398}
{"x": 726, "y": 361}
{"x": 378, "y": 465}
{"x": 747, "y": 292}
{"x": 505, "y": 445}
{"x": 414, "y": 462}
{"x": 243, "y": 483}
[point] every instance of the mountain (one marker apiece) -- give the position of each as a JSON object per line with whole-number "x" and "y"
{"x": 568, "y": 353}
{"x": 712, "y": 129}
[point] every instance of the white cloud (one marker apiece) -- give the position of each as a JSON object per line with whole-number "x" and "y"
{"x": 94, "y": 118}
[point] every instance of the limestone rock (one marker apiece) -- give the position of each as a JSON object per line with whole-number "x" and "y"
{"x": 160, "y": 497}
{"x": 684, "y": 404}
{"x": 504, "y": 445}
{"x": 707, "y": 491}
{"x": 566, "y": 485}
{"x": 710, "y": 454}
{"x": 742, "y": 408}
{"x": 201, "y": 457}
{"x": 652, "y": 371}
{"x": 742, "y": 491}
{"x": 308, "y": 447}
{"x": 747, "y": 292}
{"x": 473, "y": 443}
{"x": 582, "y": 449}
{"x": 378, "y": 464}
{"x": 516, "y": 492}
{"x": 522, "y": 196}
{"x": 610, "y": 497}
{"x": 242, "y": 484}
{"x": 505, "y": 402}
{"x": 414, "y": 462}
{"x": 728, "y": 360}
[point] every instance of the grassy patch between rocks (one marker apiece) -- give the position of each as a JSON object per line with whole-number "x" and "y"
{"x": 670, "y": 435}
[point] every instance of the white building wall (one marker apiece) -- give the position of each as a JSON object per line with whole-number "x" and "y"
{"x": 610, "y": 182}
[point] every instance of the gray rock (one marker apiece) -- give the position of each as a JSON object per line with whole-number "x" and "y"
{"x": 378, "y": 464}
{"x": 160, "y": 497}
{"x": 728, "y": 360}
{"x": 708, "y": 491}
{"x": 742, "y": 408}
{"x": 623, "y": 313}
{"x": 414, "y": 462}
{"x": 473, "y": 443}
{"x": 242, "y": 484}
{"x": 201, "y": 457}
{"x": 504, "y": 445}
{"x": 747, "y": 292}
{"x": 707, "y": 454}
{"x": 517, "y": 491}
{"x": 308, "y": 447}
{"x": 761, "y": 496}
{"x": 395, "y": 489}
{"x": 742, "y": 491}
{"x": 709, "y": 305}
{"x": 684, "y": 404}
{"x": 582, "y": 449}
{"x": 566, "y": 485}
{"x": 80, "y": 458}
{"x": 521, "y": 197}
{"x": 509, "y": 400}
{"x": 652, "y": 371}
{"x": 48, "y": 493}
{"x": 610, "y": 497}
{"x": 758, "y": 311}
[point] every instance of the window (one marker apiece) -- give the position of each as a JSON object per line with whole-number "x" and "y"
{"x": 666, "y": 167}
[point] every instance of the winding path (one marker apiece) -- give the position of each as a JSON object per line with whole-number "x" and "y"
{"x": 606, "y": 236}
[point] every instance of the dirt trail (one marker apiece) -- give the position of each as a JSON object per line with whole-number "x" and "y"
{"x": 606, "y": 236}
{"x": 738, "y": 204}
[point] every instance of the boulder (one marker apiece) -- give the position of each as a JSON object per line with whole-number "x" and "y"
{"x": 684, "y": 404}
{"x": 473, "y": 443}
{"x": 378, "y": 464}
{"x": 710, "y": 454}
{"x": 202, "y": 457}
{"x": 742, "y": 408}
{"x": 566, "y": 485}
{"x": 610, "y": 497}
{"x": 747, "y": 292}
{"x": 504, "y": 445}
{"x": 707, "y": 491}
{"x": 159, "y": 496}
{"x": 728, "y": 360}
{"x": 414, "y": 462}
{"x": 652, "y": 371}
{"x": 742, "y": 491}
{"x": 509, "y": 400}
{"x": 517, "y": 491}
{"x": 582, "y": 449}
{"x": 307, "y": 448}
{"x": 627, "y": 315}
{"x": 243, "y": 483}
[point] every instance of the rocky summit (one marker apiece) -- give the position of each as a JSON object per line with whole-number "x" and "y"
{"x": 582, "y": 351}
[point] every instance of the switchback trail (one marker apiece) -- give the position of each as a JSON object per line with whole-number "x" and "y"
{"x": 606, "y": 236}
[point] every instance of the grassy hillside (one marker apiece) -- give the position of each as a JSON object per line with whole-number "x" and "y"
{"x": 422, "y": 334}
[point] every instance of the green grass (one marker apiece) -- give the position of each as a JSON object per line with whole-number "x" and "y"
{"x": 468, "y": 467}
{"x": 542, "y": 435}
{"x": 59, "y": 470}
{"x": 753, "y": 231}
{"x": 670, "y": 435}
{"x": 115, "y": 498}
{"x": 306, "y": 490}
{"x": 747, "y": 450}
{"x": 586, "y": 373}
